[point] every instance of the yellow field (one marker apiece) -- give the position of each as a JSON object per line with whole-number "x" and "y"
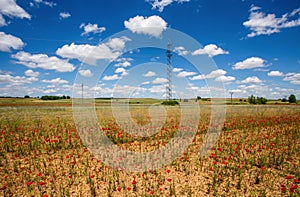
{"x": 257, "y": 154}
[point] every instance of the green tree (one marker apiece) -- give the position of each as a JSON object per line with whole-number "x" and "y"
{"x": 292, "y": 98}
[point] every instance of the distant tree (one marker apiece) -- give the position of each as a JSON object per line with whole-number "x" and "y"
{"x": 26, "y": 96}
{"x": 198, "y": 97}
{"x": 257, "y": 100}
{"x": 251, "y": 99}
{"x": 68, "y": 97}
{"x": 284, "y": 100}
{"x": 63, "y": 97}
{"x": 292, "y": 98}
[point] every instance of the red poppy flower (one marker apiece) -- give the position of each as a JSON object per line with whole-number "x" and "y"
{"x": 133, "y": 182}
{"x": 119, "y": 189}
{"x": 29, "y": 183}
{"x": 168, "y": 171}
{"x": 169, "y": 179}
{"x": 288, "y": 177}
{"x": 128, "y": 188}
{"x": 42, "y": 183}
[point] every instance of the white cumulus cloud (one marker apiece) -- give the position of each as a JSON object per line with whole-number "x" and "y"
{"x": 11, "y": 9}
{"x": 211, "y": 50}
{"x": 275, "y": 73}
{"x": 55, "y": 81}
{"x": 161, "y": 4}
{"x": 153, "y": 25}
{"x": 249, "y": 63}
{"x": 185, "y": 74}
{"x": 252, "y": 79}
{"x": 293, "y": 78}
{"x": 43, "y": 61}
{"x": 175, "y": 70}
{"x": 91, "y": 28}
{"x": 90, "y": 54}
{"x": 85, "y": 73}
{"x": 8, "y": 42}
{"x": 64, "y": 15}
{"x": 159, "y": 80}
{"x": 31, "y": 73}
{"x": 261, "y": 23}
{"x": 111, "y": 78}
{"x": 181, "y": 50}
{"x": 149, "y": 74}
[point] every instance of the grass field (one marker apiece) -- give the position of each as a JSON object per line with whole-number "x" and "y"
{"x": 41, "y": 153}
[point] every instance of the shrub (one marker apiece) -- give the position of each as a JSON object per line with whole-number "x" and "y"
{"x": 172, "y": 103}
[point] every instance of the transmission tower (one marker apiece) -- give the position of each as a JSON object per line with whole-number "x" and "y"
{"x": 169, "y": 73}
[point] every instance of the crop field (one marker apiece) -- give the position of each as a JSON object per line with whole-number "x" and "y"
{"x": 257, "y": 154}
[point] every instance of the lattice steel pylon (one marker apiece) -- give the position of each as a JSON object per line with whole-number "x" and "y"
{"x": 169, "y": 73}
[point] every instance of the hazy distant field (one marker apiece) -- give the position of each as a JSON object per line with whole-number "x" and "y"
{"x": 41, "y": 153}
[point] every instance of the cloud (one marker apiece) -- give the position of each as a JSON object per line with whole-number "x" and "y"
{"x": 123, "y": 64}
{"x": 55, "y": 81}
{"x": 293, "y": 78}
{"x": 121, "y": 70}
{"x": 153, "y": 25}
{"x": 149, "y": 74}
{"x": 252, "y": 79}
{"x": 212, "y": 74}
{"x": 225, "y": 79}
{"x": 8, "y": 42}
{"x": 127, "y": 91}
{"x": 159, "y": 80}
{"x": 10, "y": 9}
{"x": 275, "y": 74}
{"x": 181, "y": 50}
{"x": 64, "y": 15}
{"x": 161, "y": 4}
{"x": 91, "y": 28}
{"x": 158, "y": 89}
{"x": 31, "y": 73}
{"x": 47, "y": 3}
{"x": 85, "y": 73}
{"x": 111, "y": 78}
{"x": 90, "y": 54}
{"x": 175, "y": 70}
{"x": 185, "y": 74}
{"x": 261, "y": 23}
{"x": 249, "y": 63}
{"x": 211, "y": 50}
{"x": 16, "y": 80}
{"x": 43, "y": 61}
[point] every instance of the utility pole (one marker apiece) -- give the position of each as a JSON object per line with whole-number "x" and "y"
{"x": 169, "y": 73}
{"x": 231, "y": 93}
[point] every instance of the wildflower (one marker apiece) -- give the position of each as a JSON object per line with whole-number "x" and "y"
{"x": 133, "y": 182}
{"x": 288, "y": 177}
{"x": 29, "y": 183}
{"x": 119, "y": 189}
{"x": 293, "y": 187}
{"x": 168, "y": 171}
{"x": 128, "y": 188}
{"x": 169, "y": 179}
{"x": 42, "y": 183}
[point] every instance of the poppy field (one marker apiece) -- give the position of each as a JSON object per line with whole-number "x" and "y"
{"x": 257, "y": 154}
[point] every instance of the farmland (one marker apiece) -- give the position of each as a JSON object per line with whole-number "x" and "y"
{"x": 41, "y": 153}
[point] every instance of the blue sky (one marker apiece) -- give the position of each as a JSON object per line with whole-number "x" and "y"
{"x": 45, "y": 44}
